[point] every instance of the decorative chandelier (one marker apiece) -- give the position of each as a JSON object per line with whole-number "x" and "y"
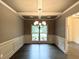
{"x": 40, "y": 23}
{"x": 39, "y": 13}
{"x": 40, "y": 10}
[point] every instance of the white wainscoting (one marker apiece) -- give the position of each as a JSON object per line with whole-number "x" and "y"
{"x": 8, "y": 48}
{"x": 60, "y": 42}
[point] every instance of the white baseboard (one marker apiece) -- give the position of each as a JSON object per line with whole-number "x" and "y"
{"x": 8, "y": 48}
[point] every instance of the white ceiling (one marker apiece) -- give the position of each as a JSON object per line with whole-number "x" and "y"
{"x": 58, "y": 6}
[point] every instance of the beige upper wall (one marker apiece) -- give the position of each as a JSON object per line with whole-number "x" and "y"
{"x": 61, "y": 22}
{"x": 11, "y": 25}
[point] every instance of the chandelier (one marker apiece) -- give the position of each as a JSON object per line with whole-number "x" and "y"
{"x": 39, "y": 11}
{"x": 40, "y": 8}
{"x": 40, "y": 23}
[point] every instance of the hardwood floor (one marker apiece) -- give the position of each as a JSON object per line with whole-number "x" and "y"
{"x": 39, "y": 51}
{"x": 73, "y": 52}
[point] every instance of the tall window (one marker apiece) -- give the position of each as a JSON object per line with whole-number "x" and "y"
{"x": 43, "y": 33}
{"x": 35, "y": 33}
{"x": 39, "y": 32}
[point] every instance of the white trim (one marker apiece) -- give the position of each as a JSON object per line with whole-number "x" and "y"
{"x": 71, "y": 7}
{"x": 9, "y": 40}
{"x": 66, "y": 36}
{"x": 30, "y": 13}
{"x": 3, "y": 3}
{"x": 58, "y": 16}
{"x": 8, "y": 48}
{"x": 35, "y": 13}
{"x": 21, "y": 16}
{"x": 40, "y": 4}
{"x": 60, "y": 42}
{"x": 7, "y": 6}
{"x": 43, "y": 13}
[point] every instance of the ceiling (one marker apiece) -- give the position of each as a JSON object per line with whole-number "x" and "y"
{"x": 30, "y": 7}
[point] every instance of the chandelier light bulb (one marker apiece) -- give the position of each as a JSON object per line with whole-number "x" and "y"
{"x": 36, "y": 22}
{"x": 44, "y": 22}
{"x": 40, "y": 24}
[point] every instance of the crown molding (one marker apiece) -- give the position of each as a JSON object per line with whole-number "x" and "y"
{"x": 36, "y": 13}
{"x": 3, "y": 3}
{"x": 71, "y": 7}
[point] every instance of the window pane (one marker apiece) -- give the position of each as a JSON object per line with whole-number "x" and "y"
{"x": 43, "y": 29}
{"x": 35, "y": 33}
{"x": 35, "y": 37}
{"x": 43, "y": 33}
{"x": 43, "y": 37}
{"x": 35, "y": 29}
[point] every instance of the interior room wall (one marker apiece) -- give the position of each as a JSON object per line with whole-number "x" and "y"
{"x": 73, "y": 29}
{"x": 60, "y": 28}
{"x": 70, "y": 28}
{"x": 11, "y": 32}
{"x": 11, "y": 25}
{"x": 27, "y": 30}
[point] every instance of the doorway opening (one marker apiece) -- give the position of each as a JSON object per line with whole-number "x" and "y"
{"x": 72, "y": 29}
